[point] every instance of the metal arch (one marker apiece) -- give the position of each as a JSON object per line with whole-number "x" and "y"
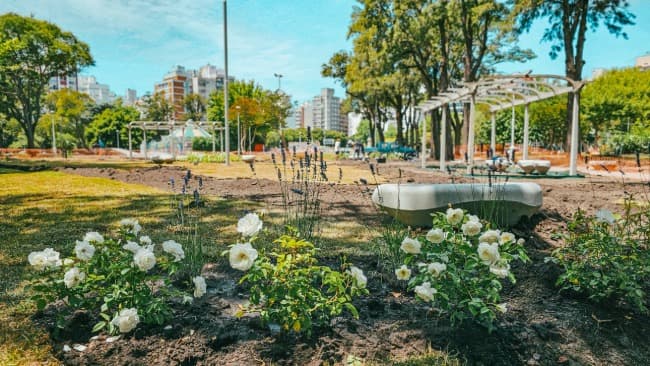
{"x": 529, "y": 88}
{"x": 170, "y": 126}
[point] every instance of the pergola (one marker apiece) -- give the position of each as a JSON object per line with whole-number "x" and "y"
{"x": 171, "y": 126}
{"x": 500, "y": 92}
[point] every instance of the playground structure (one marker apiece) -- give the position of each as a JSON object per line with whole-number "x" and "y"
{"x": 500, "y": 92}
{"x": 179, "y": 140}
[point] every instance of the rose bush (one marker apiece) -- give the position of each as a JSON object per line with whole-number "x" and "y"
{"x": 607, "y": 257}
{"x": 289, "y": 289}
{"x": 458, "y": 269}
{"x": 125, "y": 282}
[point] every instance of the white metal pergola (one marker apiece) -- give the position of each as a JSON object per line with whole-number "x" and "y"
{"x": 500, "y": 92}
{"x": 171, "y": 126}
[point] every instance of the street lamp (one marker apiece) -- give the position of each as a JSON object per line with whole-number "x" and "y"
{"x": 225, "y": 80}
{"x": 53, "y": 136}
{"x": 238, "y": 131}
{"x": 279, "y": 76}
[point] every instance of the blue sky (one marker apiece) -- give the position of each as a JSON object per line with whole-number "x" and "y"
{"x": 135, "y": 42}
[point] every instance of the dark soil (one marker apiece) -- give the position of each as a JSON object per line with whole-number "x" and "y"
{"x": 541, "y": 327}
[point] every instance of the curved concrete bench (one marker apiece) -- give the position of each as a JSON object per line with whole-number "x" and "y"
{"x": 504, "y": 204}
{"x": 248, "y": 158}
{"x": 162, "y": 158}
{"x": 542, "y": 166}
{"x": 528, "y": 166}
{"x": 499, "y": 164}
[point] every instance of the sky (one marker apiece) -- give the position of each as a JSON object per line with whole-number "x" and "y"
{"x": 135, "y": 42}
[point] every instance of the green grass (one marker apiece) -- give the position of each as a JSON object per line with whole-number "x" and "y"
{"x": 53, "y": 209}
{"x": 46, "y": 208}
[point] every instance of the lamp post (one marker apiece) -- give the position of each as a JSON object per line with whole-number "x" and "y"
{"x": 53, "y": 136}
{"x": 238, "y": 132}
{"x": 225, "y": 80}
{"x": 279, "y": 76}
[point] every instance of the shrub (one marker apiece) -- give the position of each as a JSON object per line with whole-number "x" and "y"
{"x": 458, "y": 267}
{"x": 289, "y": 289}
{"x": 606, "y": 256}
{"x": 115, "y": 277}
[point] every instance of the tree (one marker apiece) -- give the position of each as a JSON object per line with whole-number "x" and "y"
{"x": 194, "y": 107}
{"x": 70, "y": 110}
{"x": 31, "y": 52}
{"x": 158, "y": 108}
{"x": 115, "y": 119}
{"x": 568, "y": 24}
{"x": 617, "y": 100}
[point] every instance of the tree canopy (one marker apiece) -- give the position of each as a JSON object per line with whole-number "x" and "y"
{"x": 31, "y": 52}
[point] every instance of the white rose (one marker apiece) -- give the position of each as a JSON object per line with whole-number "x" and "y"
{"x": 471, "y": 228}
{"x": 52, "y": 257}
{"x": 425, "y": 291}
{"x": 84, "y": 250}
{"x": 489, "y": 253}
{"x": 403, "y": 273}
{"x": 436, "y": 236}
{"x": 436, "y": 268}
{"x": 521, "y": 241}
{"x": 132, "y": 225}
{"x": 507, "y": 237}
{"x": 490, "y": 236}
{"x": 126, "y": 320}
{"x": 455, "y": 215}
{"x": 73, "y": 277}
{"x": 174, "y": 249}
{"x": 472, "y": 218}
{"x": 199, "y": 286}
{"x": 359, "y": 278}
{"x": 38, "y": 260}
{"x": 145, "y": 240}
{"x": 93, "y": 236}
{"x": 503, "y": 307}
{"x": 144, "y": 259}
{"x": 411, "y": 246}
{"x": 605, "y": 216}
{"x": 242, "y": 256}
{"x": 131, "y": 246}
{"x": 501, "y": 271}
{"x": 249, "y": 225}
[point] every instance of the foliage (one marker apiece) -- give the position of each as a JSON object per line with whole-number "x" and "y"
{"x": 568, "y": 22}
{"x": 158, "y": 108}
{"x": 204, "y": 144}
{"x": 31, "y": 52}
{"x": 115, "y": 118}
{"x": 606, "y": 256}
{"x": 458, "y": 267}
{"x": 292, "y": 291}
{"x": 617, "y": 101}
{"x": 217, "y": 157}
{"x": 71, "y": 110}
{"x": 109, "y": 276}
{"x": 195, "y": 107}
{"x": 387, "y": 245}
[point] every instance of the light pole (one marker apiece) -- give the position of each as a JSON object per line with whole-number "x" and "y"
{"x": 279, "y": 76}
{"x": 53, "y": 136}
{"x": 117, "y": 137}
{"x": 238, "y": 132}
{"x": 225, "y": 80}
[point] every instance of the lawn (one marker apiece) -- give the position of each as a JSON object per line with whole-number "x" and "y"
{"x": 53, "y": 209}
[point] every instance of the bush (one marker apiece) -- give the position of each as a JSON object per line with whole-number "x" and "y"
{"x": 289, "y": 289}
{"x": 204, "y": 144}
{"x": 458, "y": 267}
{"x": 607, "y": 257}
{"x": 115, "y": 277}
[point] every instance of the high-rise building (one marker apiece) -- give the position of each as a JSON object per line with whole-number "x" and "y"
{"x": 174, "y": 86}
{"x": 326, "y": 110}
{"x": 130, "y": 97}
{"x": 99, "y": 93}
{"x": 206, "y": 80}
{"x": 304, "y": 116}
{"x": 343, "y": 124}
{"x": 643, "y": 62}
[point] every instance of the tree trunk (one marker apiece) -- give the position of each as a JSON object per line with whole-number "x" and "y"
{"x": 399, "y": 124}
